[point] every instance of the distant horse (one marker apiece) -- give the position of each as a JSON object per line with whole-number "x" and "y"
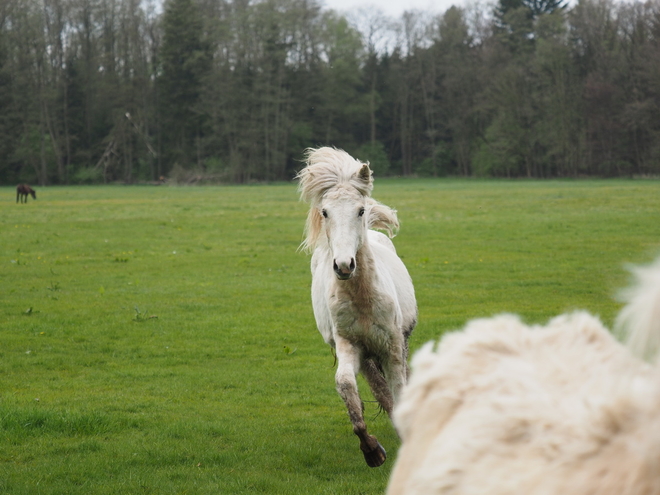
{"x": 22, "y": 191}
{"x": 362, "y": 295}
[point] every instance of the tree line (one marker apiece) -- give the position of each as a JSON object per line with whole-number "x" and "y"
{"x": 95, "y": 91}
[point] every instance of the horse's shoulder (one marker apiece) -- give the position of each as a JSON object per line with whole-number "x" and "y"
{"x": 381, "y": 240}
{"x": 318, "y": 255}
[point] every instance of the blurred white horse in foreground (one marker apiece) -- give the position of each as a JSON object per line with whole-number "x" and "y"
{"x": 502, "y": 408}
{"x": 363, "y": 298}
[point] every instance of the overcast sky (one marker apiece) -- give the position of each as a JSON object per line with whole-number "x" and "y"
{"x": 393, "y": 8}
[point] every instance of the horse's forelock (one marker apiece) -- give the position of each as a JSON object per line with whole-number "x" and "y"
{"x": 329, "y": 167}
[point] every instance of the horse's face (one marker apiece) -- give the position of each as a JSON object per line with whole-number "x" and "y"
{"x": 345, "y": 226}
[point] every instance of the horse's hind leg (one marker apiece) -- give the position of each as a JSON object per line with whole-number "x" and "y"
{"x": 348, "y": 359}
{"x": 378, "y": 385}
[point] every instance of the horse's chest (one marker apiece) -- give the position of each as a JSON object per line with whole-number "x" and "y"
{"x": 367, "y": 319}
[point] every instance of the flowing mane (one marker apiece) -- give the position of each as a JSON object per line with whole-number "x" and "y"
{"x": 328, "y": 168}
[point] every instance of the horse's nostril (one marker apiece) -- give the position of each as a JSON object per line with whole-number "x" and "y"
{"x": 344, "y": 270}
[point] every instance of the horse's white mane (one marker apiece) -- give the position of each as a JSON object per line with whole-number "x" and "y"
{"x": 328, "y": 168}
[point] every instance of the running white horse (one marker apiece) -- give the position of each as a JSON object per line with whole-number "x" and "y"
{"x": 363, "y": 297}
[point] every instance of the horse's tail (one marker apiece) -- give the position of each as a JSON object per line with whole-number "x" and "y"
{"x": 639, "y": 320}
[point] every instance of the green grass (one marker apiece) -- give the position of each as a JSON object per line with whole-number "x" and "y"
{"x": 161, "y": 340}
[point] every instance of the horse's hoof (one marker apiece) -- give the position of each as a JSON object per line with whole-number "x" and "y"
{"x": 376, "y": 457}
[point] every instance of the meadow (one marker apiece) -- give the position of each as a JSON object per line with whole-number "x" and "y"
{"x": 160, "y": 340}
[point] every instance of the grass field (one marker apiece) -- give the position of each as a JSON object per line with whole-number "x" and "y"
{"x": 161, "y": 339}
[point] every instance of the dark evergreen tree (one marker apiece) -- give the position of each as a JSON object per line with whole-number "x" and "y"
{"x": 9, "y": 118}
{"x": 185, "y": 57}
{"x": 533, "y": 8}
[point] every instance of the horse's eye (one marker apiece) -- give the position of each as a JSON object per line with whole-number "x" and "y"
{"x": 361, "y": 212}
{"x": 324, "y": 213}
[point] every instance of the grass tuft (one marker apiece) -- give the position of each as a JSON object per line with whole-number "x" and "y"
{"x": 30, "y": 421}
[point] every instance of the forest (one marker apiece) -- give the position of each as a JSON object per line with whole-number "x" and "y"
{"x": 233, "y": 91}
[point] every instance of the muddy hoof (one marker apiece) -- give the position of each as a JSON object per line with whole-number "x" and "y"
{"x": 375, "y": 457}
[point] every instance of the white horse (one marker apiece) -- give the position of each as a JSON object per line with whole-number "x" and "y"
{"x": 502, "y": 408}
{"x": 363, "y": 297}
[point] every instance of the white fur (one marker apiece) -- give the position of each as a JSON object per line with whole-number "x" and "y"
{"x": 367, "y": 316}
{"x": 640, "y": 319}
{"x": 504, "y": 408}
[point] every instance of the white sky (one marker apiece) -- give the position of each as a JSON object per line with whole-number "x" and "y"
{"x": 393, "y": 8}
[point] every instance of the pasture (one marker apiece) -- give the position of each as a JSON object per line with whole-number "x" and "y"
{"x": 161, "y": 339}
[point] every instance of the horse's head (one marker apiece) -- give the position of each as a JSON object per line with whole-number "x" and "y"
{"x": 339, "y": 189}
{"x": 343, "y": 221}
{"x": 345, "y": 215}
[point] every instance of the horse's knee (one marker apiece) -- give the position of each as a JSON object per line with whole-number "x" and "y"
{"x": 347, "y": 368}
{"x": 343, "y": 387}
{"x": 346, "y": 385}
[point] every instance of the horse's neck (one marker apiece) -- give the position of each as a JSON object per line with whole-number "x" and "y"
{"x": 362, "y": 283}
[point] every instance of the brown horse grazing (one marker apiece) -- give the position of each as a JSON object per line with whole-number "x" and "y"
{"x": 22, "y": 191}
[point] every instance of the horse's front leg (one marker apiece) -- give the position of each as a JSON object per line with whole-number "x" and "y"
{"x": 378, "y": 384}
{"x": 395, "y": 368}
{"x": 348, "y": 365}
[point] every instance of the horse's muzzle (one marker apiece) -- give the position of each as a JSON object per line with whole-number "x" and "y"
{"x": 344, "y": 271}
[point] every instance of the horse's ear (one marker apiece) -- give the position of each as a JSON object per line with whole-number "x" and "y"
{"x": 365, "y": 173}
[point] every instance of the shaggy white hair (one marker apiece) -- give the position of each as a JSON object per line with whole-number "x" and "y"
{"x": 329, "y": 168}
{"x": 504, "y": 408}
